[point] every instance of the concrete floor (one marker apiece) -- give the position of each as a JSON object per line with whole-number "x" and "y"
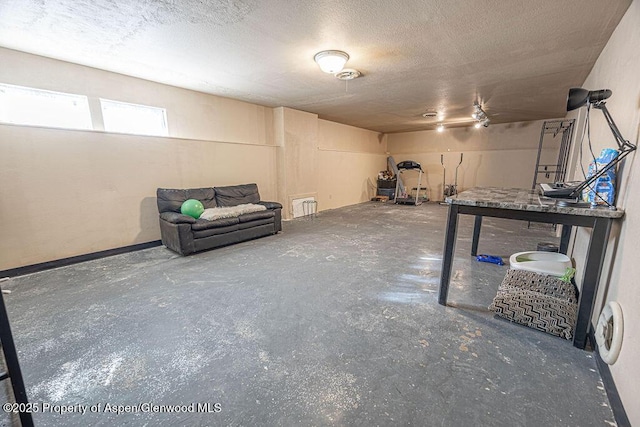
{"x": 335, "y": 321}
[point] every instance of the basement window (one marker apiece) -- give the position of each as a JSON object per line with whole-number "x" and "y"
{"x": 136, "y": 119}
{"x": 37, "y": 107}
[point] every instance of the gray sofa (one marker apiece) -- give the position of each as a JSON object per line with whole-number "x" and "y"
{"x": 186, "y": 235}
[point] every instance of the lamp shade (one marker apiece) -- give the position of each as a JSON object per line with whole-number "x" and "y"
{"x": 331, "y": 61}
{"x": 579, "y": 97}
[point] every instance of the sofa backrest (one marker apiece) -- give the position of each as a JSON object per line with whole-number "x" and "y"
{"x": 237, "y": 195}
{"x": 170, "y": 199}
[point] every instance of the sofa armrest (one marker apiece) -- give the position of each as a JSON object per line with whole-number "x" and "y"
{"x": 176, "y": 218}
{"x": 277, "y": 210}
{"x": 177, "y": 237}
{"x": 270, "y": 205}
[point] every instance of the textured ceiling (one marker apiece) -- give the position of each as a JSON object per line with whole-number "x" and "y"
{"x": 517, "y": 57}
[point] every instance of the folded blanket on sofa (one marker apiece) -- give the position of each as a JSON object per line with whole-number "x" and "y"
{"x": 231, "y": 211}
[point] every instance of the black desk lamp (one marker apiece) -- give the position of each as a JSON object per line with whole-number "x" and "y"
{"x": 578, "y": 98}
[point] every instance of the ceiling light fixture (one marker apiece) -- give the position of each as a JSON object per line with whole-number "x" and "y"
{"x": 331, "y": 61}
{"x": 440, "y": 127}
{"x": 348, "y": 74}
{"x": 480, "y": 115}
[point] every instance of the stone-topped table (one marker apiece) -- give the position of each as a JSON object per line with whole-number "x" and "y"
{"x": 526, "y": 200}
{"x": 527, "y": 205}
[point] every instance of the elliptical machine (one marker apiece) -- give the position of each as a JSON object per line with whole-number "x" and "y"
{"x": 449, "y": 189}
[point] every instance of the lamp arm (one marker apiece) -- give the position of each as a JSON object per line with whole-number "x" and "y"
{"x": 622, "y": 143}
{"x": 587, "y": 183}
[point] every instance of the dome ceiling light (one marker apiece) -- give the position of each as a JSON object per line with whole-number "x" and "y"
{"x": 331, "y": 61}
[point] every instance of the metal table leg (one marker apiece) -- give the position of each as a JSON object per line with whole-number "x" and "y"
{"x": 477, "y": 225}
{"x": 13, "y": 366}
{"x": 592, "y": 271}
{"x": 564, "y": 238}
{"x": 447, "y": 256}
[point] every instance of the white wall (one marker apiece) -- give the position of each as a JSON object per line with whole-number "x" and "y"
{"x": 335, "y": 164}
{"x": 349, "y": 160}
{"x": 618, "y": 69}
{"x": 297, "y": 140}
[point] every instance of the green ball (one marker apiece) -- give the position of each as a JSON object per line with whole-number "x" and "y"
{"x": 192, "y": 207}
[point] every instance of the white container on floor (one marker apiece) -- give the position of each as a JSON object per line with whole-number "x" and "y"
{"x": 550, "y": 263}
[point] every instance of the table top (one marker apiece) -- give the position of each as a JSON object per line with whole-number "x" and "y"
{"x": 525, "y": 200}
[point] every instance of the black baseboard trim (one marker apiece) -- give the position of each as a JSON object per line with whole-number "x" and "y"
{"x": 28, "y": 269}
{"x": 610, "y": 388}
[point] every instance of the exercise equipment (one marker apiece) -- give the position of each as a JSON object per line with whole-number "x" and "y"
{"x": 391, "y": 163}
{"x": 450, "y": 189}
{"x": 401, "y": 196}
{"x": 192, "y": 208}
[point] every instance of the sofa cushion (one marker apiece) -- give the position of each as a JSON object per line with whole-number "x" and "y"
{"x": 237, "y": 195}
{"x": 170, "y": 200}
{"x": 256, "y": 215}
{"x": 204, "y": 224}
